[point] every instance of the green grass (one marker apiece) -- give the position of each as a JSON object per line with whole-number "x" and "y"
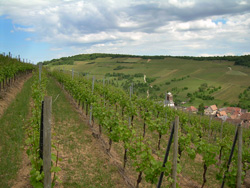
{"x": 215, "y": 73}
{"x": 83, "y": 164}
{"x": 12, "y": 135}
{"x": 236, "y": 73}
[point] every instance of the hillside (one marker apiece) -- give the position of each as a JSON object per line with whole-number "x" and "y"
{"x": 103, "y": 137}
{"x": 183, "y": 76}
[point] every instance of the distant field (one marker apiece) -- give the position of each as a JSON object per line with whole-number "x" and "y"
{"x": 232, "y": 79}
{"x": 236, "y": 73}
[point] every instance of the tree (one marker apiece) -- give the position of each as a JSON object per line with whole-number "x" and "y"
{"x": 201, "y": 109}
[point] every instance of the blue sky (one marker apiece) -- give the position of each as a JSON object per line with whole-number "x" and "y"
{"x": 20, "y": 42}
{"x": 41, "y": 30}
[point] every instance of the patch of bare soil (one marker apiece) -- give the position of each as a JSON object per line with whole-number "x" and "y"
{"x": 185, "y": 182}
{"x": 198, "y": 158}
{"x": 22, "y": 180}
{"x": 8, "y": 95}
{"x": 23, "y": 175}
{"x": 246, "y": 183}
{"x": 74, "y": 150}
{"x": 78, "y": 157}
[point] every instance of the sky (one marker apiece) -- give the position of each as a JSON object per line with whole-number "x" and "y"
{"x": 40, "y": 30}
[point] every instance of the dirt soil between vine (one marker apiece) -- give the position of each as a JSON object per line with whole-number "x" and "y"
{"x": 9, "y": 94}
{"x": 83, "y": 162}
{"x": 23, "y": 175}
{"x": 22, "y": 180}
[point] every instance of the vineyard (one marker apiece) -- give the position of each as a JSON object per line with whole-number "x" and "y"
{"x": 142, "y": 127}
{"x": 11, "y": 69}
{"x": 135, "y": 132}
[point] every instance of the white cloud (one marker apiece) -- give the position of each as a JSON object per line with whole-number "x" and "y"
{"x": 242, "y": 2}
{"x": 197, "y": 25}
{"x": 150, "y": 27}
{"x": 25, "y": 29}
{"x": 246, "y": 53}
{"x": 181, "y": 3}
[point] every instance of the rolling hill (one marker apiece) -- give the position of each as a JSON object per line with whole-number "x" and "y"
{"x": 180, "y": 75}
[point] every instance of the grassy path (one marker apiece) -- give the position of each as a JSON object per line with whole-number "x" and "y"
{"x": 12, "y": 135}
{"x": 84, "y": 163}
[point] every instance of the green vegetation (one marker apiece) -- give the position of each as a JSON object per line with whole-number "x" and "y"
{"x": 121, "y": 76}
{"x": 244, "y": 99}
{"x": 12, "y": 127}
{"x": 142, "y": 134}
{"x": 10, "y": 68}
{"x": 136, "y": 129}
{"x": 203, "y": 93}
{"x": 33, "y": 136}
{"x": 83, "y": 163}
{"x": 180, "y": 75}
{"x": 239, "y": 60}
{"x": 121, "y": 67}
{"x": 82, "y": 57}
{"x": 179, "y": 79}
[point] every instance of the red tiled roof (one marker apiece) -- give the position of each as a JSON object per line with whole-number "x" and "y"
{"x": 192, "y": 109}
{"x": 223, "y": 113}
{"x": 233, "y": 109}
{"x": 234, "y": 116}
{"x": 213, "y": 107}
{"x": 245, "y": 116}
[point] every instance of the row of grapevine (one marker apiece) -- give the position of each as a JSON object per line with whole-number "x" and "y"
{"x": 134, "y": 122}
{"x": 10, "y": 69}
{"x": 33, "y": 142}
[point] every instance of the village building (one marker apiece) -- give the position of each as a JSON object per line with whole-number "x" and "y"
{"x": 169, "y": 100}
{"x": 192, "y": 109}
{"x": 211, "y": 110}
{"x": 245, "y": 117}
{"x": 222, "y": 115}
{"x": 233, "y": 112}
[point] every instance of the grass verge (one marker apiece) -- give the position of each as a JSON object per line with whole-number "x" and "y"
{"x": 83, "y": 162}
{"x": 12, "y": 135}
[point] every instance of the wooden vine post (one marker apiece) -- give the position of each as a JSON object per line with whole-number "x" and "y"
{"x": 40, "y": 72}
{"x": 47, "y": 141}
{"x": 175, "y": 152}
{"x": 130, "y": 95}
{"x": 239, "y": 164}
{"x": 210, "y": 119}
{"x": 103, "y": 84}
{"x": 166, "y": 155}
{"x": 91, "y": 107}
{"x": 221, "y": 129}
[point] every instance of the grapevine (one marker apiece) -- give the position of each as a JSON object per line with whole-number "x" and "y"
{"x": 33, "y": 136}
{"x": 112, "y": 108}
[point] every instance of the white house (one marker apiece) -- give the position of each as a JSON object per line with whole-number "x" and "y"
{"x": 169, "y": 100}
{"x": 211, "y": 110}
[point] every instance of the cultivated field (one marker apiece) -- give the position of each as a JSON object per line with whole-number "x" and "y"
{"x": 232, "y": 79}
